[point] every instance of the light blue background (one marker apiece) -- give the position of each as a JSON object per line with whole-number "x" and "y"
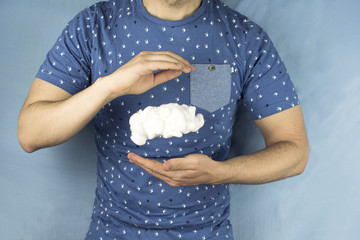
{"x": 48, "y": 195}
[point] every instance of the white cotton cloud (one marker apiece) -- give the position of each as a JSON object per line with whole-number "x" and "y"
{"x": 168, "y": 120}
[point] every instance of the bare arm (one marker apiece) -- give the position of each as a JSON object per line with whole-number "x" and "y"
{"x": 51, "y": 116}
{"x": 285, "y": 155}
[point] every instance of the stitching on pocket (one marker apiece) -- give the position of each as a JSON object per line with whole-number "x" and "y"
{"x": 210, "y": 88}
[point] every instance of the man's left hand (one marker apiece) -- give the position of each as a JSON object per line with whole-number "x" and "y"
{"x": 193, "y": 169}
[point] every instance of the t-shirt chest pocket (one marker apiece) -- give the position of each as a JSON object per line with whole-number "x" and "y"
{"x": 210, "y": 86}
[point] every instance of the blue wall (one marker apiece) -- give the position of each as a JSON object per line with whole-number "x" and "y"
{"x": 49, "y": 194}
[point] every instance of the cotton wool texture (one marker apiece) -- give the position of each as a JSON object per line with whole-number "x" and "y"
{"x": 167, "y": 120}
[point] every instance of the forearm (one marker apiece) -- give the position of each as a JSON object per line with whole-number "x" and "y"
{"x": 49, "y": 123}
{"x": 278, "y": 161}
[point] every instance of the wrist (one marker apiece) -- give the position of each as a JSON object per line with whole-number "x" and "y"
{"x": 226, "y": 172}
{"x": 106, "y": 86}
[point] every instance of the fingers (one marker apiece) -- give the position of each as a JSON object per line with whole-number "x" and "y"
{"x": 156, "y": 64}
{"x": 152, "y": 166}
{"x": 167, "y": 56}
{"x": 166, "y": 75}
{"x": 145, "y": 71}
{"x": 192, "y": 170}
{"x": 155, "y": 168}
{"x": 165, "y": 60}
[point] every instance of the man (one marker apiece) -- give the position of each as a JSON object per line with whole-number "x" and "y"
{"x": 120, "y": 56}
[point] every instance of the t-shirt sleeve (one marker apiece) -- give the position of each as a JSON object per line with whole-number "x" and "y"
{"x": 267, "y": 88}
{"x": 67, "y": 64}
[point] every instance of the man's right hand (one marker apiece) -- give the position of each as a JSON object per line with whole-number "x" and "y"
{"x": 137, "y": 76}
{"x": 51, "y": 116}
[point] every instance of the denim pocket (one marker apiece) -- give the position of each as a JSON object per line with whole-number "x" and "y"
{"x": 210, "y": 86}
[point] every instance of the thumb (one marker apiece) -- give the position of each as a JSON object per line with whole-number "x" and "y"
{"x": 178, "y": 164}
{"x": 174, "y": 164}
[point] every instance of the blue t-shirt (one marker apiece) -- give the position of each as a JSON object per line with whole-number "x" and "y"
{"x": 235, "y": 62}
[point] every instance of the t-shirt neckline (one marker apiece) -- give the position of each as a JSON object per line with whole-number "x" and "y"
{"x": 163, "y": 22}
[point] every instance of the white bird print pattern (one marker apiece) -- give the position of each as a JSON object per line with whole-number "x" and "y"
{"x": 104, "y": 37}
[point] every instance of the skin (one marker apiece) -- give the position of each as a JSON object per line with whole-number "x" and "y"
{"x": 285, "y": 155}
{"x": 51, "y": 116}
{"x": 171, "y": 10}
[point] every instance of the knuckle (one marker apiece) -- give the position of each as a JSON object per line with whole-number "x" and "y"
{"x": 178, "y": 165}
{"x": 196, "y": 163}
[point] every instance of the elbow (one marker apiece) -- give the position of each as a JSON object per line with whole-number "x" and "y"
{"x": 304, "y": 157}
{"x": 24, "y": 142}
{"x": 300, "y": 170}
{"x": 25, "y": 146}
{"x": 28, "y": 149}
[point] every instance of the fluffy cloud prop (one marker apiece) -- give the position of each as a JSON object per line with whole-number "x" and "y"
{"x": 168, "y": 120}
